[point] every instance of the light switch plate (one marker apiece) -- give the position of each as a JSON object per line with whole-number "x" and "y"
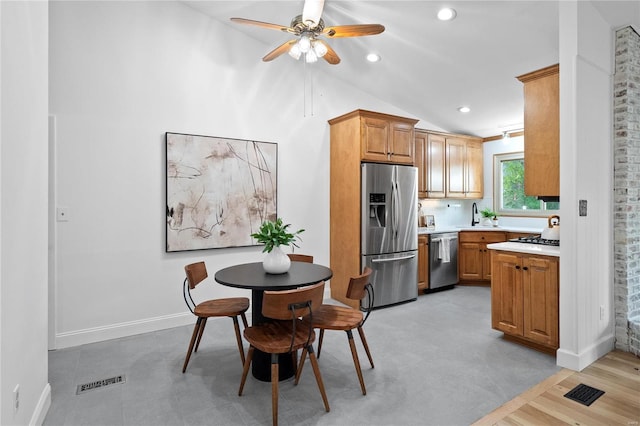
{"x": 582, "y": 207}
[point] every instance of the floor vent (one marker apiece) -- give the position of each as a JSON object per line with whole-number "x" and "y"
{"x": 100, "y": 384}
{"x": 584, "y": 394}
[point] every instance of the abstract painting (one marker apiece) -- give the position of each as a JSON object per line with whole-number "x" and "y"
{"x": 219, "y": 191}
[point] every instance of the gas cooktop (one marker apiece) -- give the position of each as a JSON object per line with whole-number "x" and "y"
{"x": 536, "y": 239}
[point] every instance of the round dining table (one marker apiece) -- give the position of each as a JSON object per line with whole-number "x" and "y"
{"x": 252, "y": 276}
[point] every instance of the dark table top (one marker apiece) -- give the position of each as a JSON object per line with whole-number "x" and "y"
{"x": 252, "y": 276}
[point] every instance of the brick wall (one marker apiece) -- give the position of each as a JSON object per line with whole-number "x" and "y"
{"x": 627, "y": 191}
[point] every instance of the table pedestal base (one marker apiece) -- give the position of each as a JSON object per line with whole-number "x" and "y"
{"x": 261, "y": 363}
{"x": 261, "y": 366}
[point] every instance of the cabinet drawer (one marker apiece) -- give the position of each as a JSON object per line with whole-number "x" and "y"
{"x": 482, "y": 237}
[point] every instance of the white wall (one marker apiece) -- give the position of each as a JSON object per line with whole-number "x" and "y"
{"x": 121, "y": 75}
{"x": 23, "y": 211}
{"x": 586, "y": 277}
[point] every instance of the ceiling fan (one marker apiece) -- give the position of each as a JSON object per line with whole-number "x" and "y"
{"x": 309, "y": 28}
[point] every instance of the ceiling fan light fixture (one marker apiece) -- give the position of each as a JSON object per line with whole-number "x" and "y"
{"x": 319, "y": 48}
{"x": 304, "y": 43}
{"x": 310, "y": 57}
{"x": 295, "y": 52}
{"x": 446, "y": 14}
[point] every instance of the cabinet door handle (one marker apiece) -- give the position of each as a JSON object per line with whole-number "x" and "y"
{"x": 525, "y": 268}
{"x": 517, "y": 266}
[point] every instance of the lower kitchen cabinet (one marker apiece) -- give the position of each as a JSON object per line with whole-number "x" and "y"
{"x": 423, "y": 262}
{"x": 524, "y": 298}
{"x": 474, "y": 259}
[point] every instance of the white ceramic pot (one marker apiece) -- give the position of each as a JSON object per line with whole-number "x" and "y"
{"x": 276, "y": 261}
{"x": 485, "y": 221}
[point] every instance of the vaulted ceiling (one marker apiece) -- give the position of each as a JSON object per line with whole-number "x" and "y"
{"x": 429, "y": 68}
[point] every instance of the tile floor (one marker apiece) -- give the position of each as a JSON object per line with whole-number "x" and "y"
{"x": 437, "y": 362}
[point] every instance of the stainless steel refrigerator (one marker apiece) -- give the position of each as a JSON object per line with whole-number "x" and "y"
{"x": 389, "y": 236}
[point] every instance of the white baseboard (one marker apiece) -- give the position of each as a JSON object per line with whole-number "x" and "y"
{"x": 114, "y": 331}
{"x": 40, "y": 412}
{"x": 580, "y": 361}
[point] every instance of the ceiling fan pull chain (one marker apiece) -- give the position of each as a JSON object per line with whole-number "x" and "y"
{"x": 311, "y": 89}
{"x": 304, "y": 87}
{"x": 307, "y": 74}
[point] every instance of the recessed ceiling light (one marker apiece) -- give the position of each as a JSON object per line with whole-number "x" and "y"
{"x": 446, "y": 14}
{"x": 373, "y": 57}
{"x": 464, "y": 109}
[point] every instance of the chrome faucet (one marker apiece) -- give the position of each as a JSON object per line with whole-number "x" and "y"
{"x": 474, "y": 212}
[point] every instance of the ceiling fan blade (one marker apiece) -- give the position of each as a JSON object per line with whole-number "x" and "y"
{"x": 331, "y": 56}
{"x": 353, "y": 30}
{"x": 283, "y": 48}
{"x": 261, "y": 24}
{"x": 311, "y": 12}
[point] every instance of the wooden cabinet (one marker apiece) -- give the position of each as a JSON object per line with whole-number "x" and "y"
{"x": 357, "y": 136}
{"x": 474, "y": 170}
{"x": 436, "y": 165}
{"x": 455, "y": 157}
{"x": 524, "y": 297}
{"x": 464, "y": 168}
{"x": 542, "y": 132}
{"x": 474, "y": 259}
{"x": 448, "y": 165}
{"x": 423, "y": 262}
{"x": 420, "y": 142}
{"x": 386, "y": 138}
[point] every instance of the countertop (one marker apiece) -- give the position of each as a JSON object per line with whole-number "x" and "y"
{"x": 526, "y": 248}
{"x": 506, "y": 246}
{"x": 439, "y": 230}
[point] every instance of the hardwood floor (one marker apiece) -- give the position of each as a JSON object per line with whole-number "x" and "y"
{"x": 617, "y": 374}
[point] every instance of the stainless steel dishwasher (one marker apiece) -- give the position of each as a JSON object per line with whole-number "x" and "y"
{"x": 443, "y": 260}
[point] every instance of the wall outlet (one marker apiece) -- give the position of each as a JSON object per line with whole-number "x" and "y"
{"x": 601, "y": 312}
{"x": 16, "y": 398}
{"x": 62, "y": 214}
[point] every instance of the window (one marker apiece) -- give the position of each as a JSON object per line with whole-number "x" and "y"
{"x": 508, "y": 189}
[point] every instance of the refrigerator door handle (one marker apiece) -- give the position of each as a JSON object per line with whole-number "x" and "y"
{"x": 411, "y": 256}
{"x": 396, "y": 208}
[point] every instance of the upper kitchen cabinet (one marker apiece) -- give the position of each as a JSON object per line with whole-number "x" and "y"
{"x": 449, "y": 166}
{"x": 430, "y": 160}
{"x": 383, "y": 138}
{"x": 464, "y": 167}
{"x": 542, "y": 132}
{"x": 420, "y": 142}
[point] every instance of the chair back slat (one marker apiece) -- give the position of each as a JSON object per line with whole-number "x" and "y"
{"x": 196, "y": 273}
{"x": 275, "y": 304}
{"x": 356, "y": 289}
{"x": 300, "y": 257}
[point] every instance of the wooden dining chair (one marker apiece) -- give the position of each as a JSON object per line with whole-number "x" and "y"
{"x": 286, "y": 334}
{"x": 300, "y": 257}
{"x": 334, "y": 317}
{"x": 228, "y": 307}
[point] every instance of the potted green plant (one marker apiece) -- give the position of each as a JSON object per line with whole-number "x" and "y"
{"x": 487, "y": 215}
{"x": 273, "y": 235}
